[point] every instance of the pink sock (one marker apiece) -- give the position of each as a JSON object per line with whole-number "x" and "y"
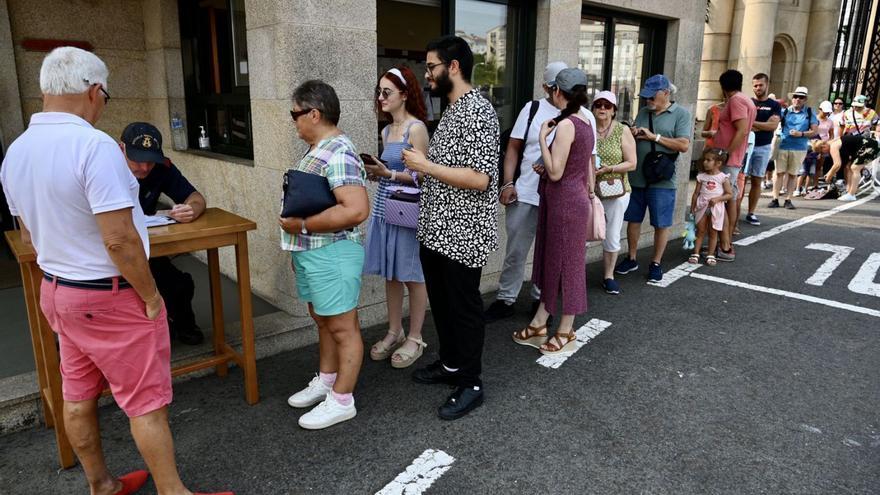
{"x": 344, "y": 399}
{"x": 328, "y": 378}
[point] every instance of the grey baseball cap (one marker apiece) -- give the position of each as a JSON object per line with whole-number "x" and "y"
{"x": 567, "y": 79}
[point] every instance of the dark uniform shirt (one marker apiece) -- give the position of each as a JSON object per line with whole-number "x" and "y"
{"x": 164, "y": 178}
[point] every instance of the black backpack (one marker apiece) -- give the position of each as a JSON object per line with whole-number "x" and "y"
{"x": 505, "y": 137}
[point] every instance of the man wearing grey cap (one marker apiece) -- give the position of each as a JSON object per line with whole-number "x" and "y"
{"x": 519, "y": 195}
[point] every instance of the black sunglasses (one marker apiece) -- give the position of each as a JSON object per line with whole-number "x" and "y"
{"x": 101, "y": 87}
{"x": 798, "y": 97}
{"x": 300, "y": 113}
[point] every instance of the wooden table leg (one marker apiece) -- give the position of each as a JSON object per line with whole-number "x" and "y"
{"x": 32, "y": 303}
{"x": 53, "y": 373}
{"x": 217, "y": 308}
{"x": 251, "y": 386}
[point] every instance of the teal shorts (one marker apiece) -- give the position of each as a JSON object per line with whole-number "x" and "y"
{"x": 330, "y": 277}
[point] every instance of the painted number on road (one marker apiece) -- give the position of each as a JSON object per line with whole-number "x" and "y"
{"x": 862, "y": 283}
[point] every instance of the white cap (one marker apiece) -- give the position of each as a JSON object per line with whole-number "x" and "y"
{"x": 826, "y": 107}
{"x": 801, "y": 90}
{"x": 552, "y": 70}
{"x": 606, "y": 95}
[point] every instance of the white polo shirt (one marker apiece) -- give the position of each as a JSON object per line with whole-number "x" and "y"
{"x": 57, "y": 176}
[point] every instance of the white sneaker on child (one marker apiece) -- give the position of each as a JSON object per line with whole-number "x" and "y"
{"x": 311, "y": 395}
{"x": 327, "y": 413}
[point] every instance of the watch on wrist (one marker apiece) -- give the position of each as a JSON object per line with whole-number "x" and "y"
{"x": 657, "y": 138}
{"x": 302, "y": 227}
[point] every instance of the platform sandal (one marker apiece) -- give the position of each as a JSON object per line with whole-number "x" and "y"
{"x": 403, "y": 358}
{"x": 694, "y": 259}
{"x": 560, "y": 344}
{"x": 531, "y": 336}
{"x": 711, "y": 260}
{"x": 381, "y": 351}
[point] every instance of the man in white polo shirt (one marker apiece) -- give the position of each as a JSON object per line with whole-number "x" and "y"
{"x": 78, "y": 205}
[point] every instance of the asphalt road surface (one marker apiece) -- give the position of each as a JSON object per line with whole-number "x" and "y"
{"x": 741, "y": 378}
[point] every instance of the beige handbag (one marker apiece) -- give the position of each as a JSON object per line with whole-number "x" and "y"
{"x": 610, "y": 186}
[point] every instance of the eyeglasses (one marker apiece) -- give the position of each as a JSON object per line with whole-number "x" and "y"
{"x": 384, "y": 94}
{"x": 297, "y": 114}
{"x": 430, "y": 67}
{"x": 101, "y": 87}
{"x": 838, "y": 103}
{"x": 603, "y": 105}
{"x": 798, "y": 97}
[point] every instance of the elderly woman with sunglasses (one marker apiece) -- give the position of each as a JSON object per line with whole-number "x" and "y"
{"x": 616, "y": 148}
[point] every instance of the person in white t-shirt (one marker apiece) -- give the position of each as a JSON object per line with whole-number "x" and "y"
{"x": 520, "y": 196}
{"x": 77, "y": 202}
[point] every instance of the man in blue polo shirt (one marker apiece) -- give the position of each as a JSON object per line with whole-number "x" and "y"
{"x": 799, "y": 124}
{"x": 156, "y": 175}
{"x": 665, "y": 126}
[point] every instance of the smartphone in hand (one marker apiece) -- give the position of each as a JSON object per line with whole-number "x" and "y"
{"x": 367, "y": 158}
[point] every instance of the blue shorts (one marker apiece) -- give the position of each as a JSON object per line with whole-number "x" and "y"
{"x": 659, "y": 201}
{"x": 330, "y": 277}
{"x": 757, "y": 165}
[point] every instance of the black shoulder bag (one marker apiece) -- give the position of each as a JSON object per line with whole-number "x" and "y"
{"x": 657, "y": 166}
{"x": 505, "y": 137}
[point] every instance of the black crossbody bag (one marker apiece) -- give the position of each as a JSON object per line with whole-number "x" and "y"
{"x": 305, "y": 194}
{"x": 658, "y": 166}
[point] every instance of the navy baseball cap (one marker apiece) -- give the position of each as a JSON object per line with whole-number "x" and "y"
{"x": 143, "y": 143}
{"x": 655, "y": 83}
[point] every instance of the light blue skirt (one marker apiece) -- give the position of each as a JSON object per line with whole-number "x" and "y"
{"x": 392, "y": 252}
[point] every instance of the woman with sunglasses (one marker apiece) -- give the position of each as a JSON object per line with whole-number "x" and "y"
{"x": 616, "y": 148}
{"x": 393, "y": 251}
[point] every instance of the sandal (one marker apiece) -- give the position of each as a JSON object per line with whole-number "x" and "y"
{"x": 404, "y": 358}
{"x": 560, "y": 344}
{"x": 531, "y": 336}
{"x": 711, "y": 261}
{"x": 381, "y": 351}
{"x": 694, "y": 259}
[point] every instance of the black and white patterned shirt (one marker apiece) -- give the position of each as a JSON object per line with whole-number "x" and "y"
{"x": 458, "y": 223}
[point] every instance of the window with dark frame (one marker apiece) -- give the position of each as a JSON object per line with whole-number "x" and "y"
{"x": 213, "y": 44}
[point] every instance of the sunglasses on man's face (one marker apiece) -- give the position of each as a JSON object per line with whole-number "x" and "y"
{"x": 798, "y": 97}
{"x": 295, "y": 114}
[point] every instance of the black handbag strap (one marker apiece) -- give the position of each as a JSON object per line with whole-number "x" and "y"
{"x": 533, "y": 110}
{"x": 651, "y": 128}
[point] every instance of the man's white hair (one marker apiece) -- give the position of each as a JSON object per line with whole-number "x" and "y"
{"x": 68, "y": 70}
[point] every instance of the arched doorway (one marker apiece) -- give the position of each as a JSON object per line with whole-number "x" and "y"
{"x": 781, "y": 66}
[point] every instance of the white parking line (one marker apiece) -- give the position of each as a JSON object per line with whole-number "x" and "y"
{"x": 584, "y": 334}
{"x": 863, "y": 282}
{"x": 792, "y": 295}
{"x": 831, "y": 264}
{"x": 420, "y": 475}
{"x": 802, "y": 221}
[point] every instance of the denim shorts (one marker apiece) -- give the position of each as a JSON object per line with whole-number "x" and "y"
{"x": 660, "y": 202}
{"x": 330, "y": 277}
{"x": 757, "y": 166}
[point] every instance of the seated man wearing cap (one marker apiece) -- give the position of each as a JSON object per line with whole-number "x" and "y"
{"x": 142, "y": 145}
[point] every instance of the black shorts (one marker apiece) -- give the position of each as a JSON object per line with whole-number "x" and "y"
{"x": 858, "y": 149}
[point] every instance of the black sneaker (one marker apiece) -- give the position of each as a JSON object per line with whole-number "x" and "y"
{"x": 753, "y": 219}
{"x": 498, "y": 310}
{"x": 461, "y": 402}
{"x": 434, "y": 373}
{"x": 788, "y": 205}
{"x": 611, "y": 286}
{"x": 773, "y": 204}
{"x": 189, "y": 335}
{"x": 655, "y": 272}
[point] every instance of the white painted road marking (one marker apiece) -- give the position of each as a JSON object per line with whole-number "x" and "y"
{"x": 420, "y": 475}
{"x": 682, "y": 270}
{"x": 863, "y": 282}
{"x": 792, "y": 295}
{"x": 831, "y": 264}
{"x": 802, "y": 221}
{"x": 584, "y": 334}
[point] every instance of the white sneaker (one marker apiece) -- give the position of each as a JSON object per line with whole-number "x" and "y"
{"x": 311, "y": 395}
{"x": 847, "y": 197}
{"x": 798, "y": 192}
{"x": 327, "y": 413}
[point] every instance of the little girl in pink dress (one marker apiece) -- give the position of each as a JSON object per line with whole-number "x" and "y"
{"x": 712, "y": 191}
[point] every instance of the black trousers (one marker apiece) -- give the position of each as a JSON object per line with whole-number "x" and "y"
{"x": 177, "y": 289}
{"x": 454, "y": 293}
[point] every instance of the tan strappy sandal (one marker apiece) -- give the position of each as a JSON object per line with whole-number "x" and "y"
{"x": 405, "y": 358}
{"x": 531, "y": 336}
{"x": 381, "y": 351}
{"x": 560, "y": 344}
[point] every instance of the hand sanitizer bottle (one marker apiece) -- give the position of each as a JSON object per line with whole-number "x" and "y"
{"x": 204, "y": 141}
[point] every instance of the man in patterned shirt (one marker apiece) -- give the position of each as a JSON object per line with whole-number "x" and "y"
{"x": 457, "y": 221}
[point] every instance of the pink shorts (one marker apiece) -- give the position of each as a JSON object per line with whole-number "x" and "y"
{"x": 106, "y": 339}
